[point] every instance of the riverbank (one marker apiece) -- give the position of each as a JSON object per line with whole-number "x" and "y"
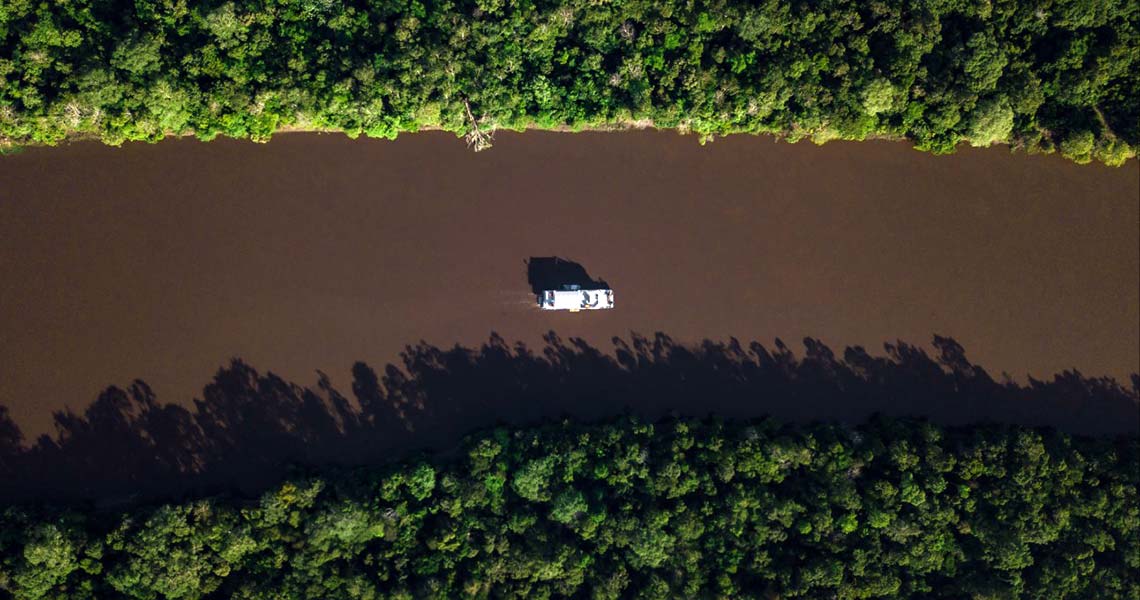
{"x": 1115, "y": 159}
{"x": 249, "y": 427}
{"x": 625, "y": 508}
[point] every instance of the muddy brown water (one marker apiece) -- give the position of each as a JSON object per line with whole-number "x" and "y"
{"x": 163, "y": 261}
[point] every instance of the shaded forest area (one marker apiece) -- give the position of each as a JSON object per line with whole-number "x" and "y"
{"x": 624, "y": 509}
{"x": 1041, "y": 75}
{"x": 248, "y": 429}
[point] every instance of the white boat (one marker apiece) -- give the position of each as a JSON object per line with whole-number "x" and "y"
{"x": 573, "y": 298}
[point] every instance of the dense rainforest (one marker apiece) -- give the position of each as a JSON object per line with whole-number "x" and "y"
{"x": 1041, "y": 75}
{"x": 627, "y": 509}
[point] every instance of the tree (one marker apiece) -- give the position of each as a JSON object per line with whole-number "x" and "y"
{"x": 991, "y": 122}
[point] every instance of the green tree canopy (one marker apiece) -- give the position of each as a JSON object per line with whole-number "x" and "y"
{"x": 893, "y": 508}
{"x": 930, "y": 72}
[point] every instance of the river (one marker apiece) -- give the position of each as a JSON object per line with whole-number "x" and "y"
{"x": 161, "y": 262}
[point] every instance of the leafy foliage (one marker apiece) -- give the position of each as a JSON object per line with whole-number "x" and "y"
{"x": 625, "y": 509}
{"x": 1038, "y": 75}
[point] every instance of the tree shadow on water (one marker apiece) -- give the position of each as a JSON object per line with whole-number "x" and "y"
{"x": 247, "y": 429}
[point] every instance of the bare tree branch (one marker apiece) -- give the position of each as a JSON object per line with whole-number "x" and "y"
{"x": 477, "y": 139}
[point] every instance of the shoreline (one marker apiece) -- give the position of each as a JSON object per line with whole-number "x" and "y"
{"x": 7, "y": 147}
